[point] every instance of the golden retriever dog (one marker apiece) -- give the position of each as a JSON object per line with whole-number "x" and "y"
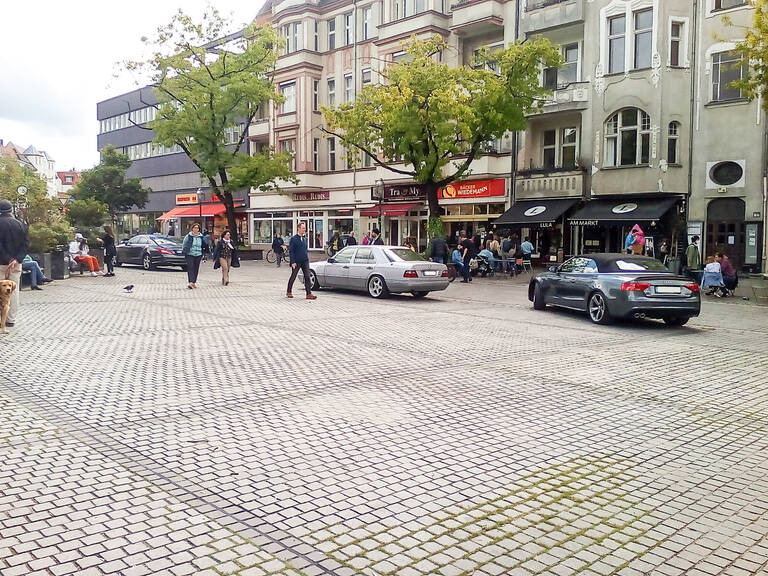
{"x": 6, "y": 289}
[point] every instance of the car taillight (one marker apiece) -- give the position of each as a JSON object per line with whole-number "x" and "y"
{"x": 693, "y": 287}
{"x": 410, "y": 274}
{"x": 635, "y": 286}
{"x": 164, "y": 251}
{"x": 444, "y": 274}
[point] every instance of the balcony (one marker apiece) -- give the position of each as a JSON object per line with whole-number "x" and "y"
{"x": 259, "y": 130}
{"x": 568, "y": 98}
{"x": 428, "y": 23}
{"x": 543, "y": 15}
{"x": 550, "y": 183}
{"x": 477, "y": 17}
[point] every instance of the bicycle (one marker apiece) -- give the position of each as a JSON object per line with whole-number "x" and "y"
{"x": 272, "y": 256}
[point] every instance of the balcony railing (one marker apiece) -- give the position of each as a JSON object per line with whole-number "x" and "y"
{"x": 544, "y": 182}
{"x": 537, "y": 4}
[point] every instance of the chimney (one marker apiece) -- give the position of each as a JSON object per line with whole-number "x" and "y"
{"x": 1, "y": 141}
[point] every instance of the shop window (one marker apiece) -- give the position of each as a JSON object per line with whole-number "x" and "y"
{"x": 628, "y": 138}
{"x": 673, "y": 139}
{"x": 727, "y": 68}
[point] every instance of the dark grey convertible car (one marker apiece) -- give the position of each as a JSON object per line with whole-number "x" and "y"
{"x": 609, "y": 286}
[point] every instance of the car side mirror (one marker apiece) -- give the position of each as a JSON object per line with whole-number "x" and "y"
{"x": 553, "y": 268}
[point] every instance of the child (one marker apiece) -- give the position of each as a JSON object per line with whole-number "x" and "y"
{"x": 713, "y": 276}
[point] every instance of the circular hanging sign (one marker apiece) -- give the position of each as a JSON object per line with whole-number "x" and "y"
{"x": 624, "y": 208}
{"x": 535, "y": 210}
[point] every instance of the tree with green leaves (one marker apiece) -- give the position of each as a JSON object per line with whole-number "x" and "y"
{"x": 208, "y": 83}
{"x": 107, "y": 184}
{"x": 39, "y": 208}
{"x": 754, "y": 48}
{"x": 437, "y": 117}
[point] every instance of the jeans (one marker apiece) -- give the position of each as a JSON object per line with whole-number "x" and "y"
{"x": 226, "y": 264}
{"x": 109, "y": 262}
{"x": 36, "y": 274}
{"x": 304, "y": 267}
{"x": 464, "y": 270}
{"x": 193, "y": 267}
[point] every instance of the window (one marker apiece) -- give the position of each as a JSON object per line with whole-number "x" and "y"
{"x": 315, "y": 96}
{"x": 643, "y": 38}
{"x": 348, "y": 29}
{"x": 315, "y": 154}
{"x": 628, "y": 138}
{"x": 420, "y": 6}
{"x": 365, "y": 256}
{"x": 616, "y": 33}
{"x": 675, "y": 43}
{"x": 332, "y": 154}
{"x": 290, "y": 147}
{"x": 332, "y": 34}
{"x": 344, "y": 256}
{"x": 366, "y": 75}
{"x": 367, "y": 160}
{"x": 317, "y": 36}
{"x": 349, "y": 88}
{"x": 725, "y": 4}
{"x": 727, "y": 67}
{"x": 367, "y": 21}
{"x": 233, "y": 133}
{"x": 289, "y": 93}
{"x": 673, "y": 135}
{"x": 568, "y": 148}
{"x": 555, "y": 78}
{"x": 291, "y": 35}
{"x": 550, "y": 148}
{"x": 331, "y": 92}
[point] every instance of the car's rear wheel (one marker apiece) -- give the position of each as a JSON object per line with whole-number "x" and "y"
{"x": 538, "y": 298}
{"x": 146, "y": 262}
{"x": 676, "y": 320}
{"x": 598, "y": 309}
{"x": 419, "y": 294}
{"x": 313, "y": 280}
{"x": 377, "y": 288}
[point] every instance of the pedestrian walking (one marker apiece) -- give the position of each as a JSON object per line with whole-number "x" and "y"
{"x": 14, "y": 243}
{"x": 639, "y": 244}
{"x": 225, "y": 256}
{"x": 468, "y": 252}
{"x": 693, "y": 259}
{"x": 110, "y": 251}
{"x": 299, "y": 255}
{"x": 206, "y": 245}
{"x": 278, "y": 248}
{"x": 376, "y": 237}
{"x": 192, "y": 248}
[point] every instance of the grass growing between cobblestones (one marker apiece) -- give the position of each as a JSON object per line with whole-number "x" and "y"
{"x": 575, "y": 514}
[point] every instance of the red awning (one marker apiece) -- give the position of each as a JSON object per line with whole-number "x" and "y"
{"x": 173, "y": 213}
{"x": 207, "y": 210}
{"x": 389, "y": 210}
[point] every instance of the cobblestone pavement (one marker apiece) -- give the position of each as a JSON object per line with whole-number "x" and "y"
{"x": 229, "y": 430}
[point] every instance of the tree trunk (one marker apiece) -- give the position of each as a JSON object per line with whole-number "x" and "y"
{"x": 434, "y": 207}
{"x": 229, "y": 204}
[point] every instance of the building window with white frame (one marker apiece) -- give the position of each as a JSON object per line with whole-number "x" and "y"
{"x": 331, "y": 154}
{"x": 367, "y": 22}
{"x": 549, "y": 149}
{"x": 628, "y": 138}
{"x": 289, "y": 146}
{"x": 316, "y": 154}
{"x": 331, "y": 92}
{"x": 673, "y": 143}
{"x": 726, "y": 4}
{"x": 332, "y": 34}
{"x": 367, "y": 160}
{"x": 727, "y": 67}
{"x": 365, "y": 76}
{"x": 419, "y": 6}
{"x": 348, "y": 29}
{"x": 676, "y": 47}
{"x": 349, "y": 88}
{"x": 568, "y": 148}
{"x": 616, "y": 43}
{"x": 288, "y": 91}
{"x": 643, "y": 28}
{"x": 291, "y": 35}
{"x": 315, "y": 95}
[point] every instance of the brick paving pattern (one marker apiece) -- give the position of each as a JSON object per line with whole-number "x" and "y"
{"x": 232, "y": 431}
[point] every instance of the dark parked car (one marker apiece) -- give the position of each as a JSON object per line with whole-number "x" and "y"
{"x": 609, "y": 286}
{"x": 151, "y": 250}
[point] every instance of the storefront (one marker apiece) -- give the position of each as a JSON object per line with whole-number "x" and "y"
{"x": 472, "y": 206}
{"x": 544, "y": 222}
{"x": 211, "y": 215}
{"x": 402, "y": 213}
{"x": 602, "y": 224}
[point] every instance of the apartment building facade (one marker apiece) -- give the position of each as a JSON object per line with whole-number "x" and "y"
{"x": 639, "y": 127}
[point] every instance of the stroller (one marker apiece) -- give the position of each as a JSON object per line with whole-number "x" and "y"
{"x": 484, "y": 267}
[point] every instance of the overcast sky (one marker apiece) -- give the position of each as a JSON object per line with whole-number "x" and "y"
{"x": 57, "y": 60}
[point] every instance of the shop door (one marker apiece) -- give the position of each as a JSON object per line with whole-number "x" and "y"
{"x": 726, "y": 229}
{"x": 314, "y": 223}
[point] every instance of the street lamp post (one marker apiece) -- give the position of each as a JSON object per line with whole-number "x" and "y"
{"x": 200, "y": 207}
{"x": 21, "y": 202}
{"x": 378, "y": 190}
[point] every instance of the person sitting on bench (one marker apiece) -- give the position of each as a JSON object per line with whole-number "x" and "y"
{"x": 36, "y": 276}
{"x": 78, "y": 250}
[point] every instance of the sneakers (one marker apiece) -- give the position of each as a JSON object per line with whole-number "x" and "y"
{"x": 36, "y": 288}
{"x": 288, "y": 295}
{"x": 311, "y": 297}
{"x": 94, "y": 274}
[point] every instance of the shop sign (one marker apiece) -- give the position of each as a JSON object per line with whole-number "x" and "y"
{"x": 546, "y": 224}
{"x": 472, "y": 189}
{"x": 584, "y": 222}
{"x": 624, "y": 208}
{"x": 535, "y": 211}
{"x": 311, "y": 196}
{"x": 404, "y": 192}
{"x": 185, "y": 199}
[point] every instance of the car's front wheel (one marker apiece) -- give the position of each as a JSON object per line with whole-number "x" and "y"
{"x": 146, "y": 262}
{"x": 538, "y": 298}
{"x": 676, "y": 320}
{"x": 598, "y": 309}
{"x": 377, "y": 288}
{"x": 313, "y": 280}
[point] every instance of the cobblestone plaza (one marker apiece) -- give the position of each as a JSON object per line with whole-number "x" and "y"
{"x": 228, "y": 430}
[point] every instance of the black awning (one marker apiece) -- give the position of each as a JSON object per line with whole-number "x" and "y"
{"x": 525, "y": 212}
{"x": 622, "y": 210}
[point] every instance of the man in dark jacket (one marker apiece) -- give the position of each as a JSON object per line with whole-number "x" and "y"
{"x": 14, "y": 243}
{"x": 277, "y": 248}
{"x": 297, "y": 250}
{"x": 376, "y": 234}
{"x": 439, "y": 250}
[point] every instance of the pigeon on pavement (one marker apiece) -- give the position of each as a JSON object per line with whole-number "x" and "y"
{"x": 128, "y": 288}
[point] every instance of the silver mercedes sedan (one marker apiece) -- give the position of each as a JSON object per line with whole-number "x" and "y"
{"x": 380, "y": 270}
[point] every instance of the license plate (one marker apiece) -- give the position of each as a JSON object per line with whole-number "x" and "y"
{"x": 667, "y": 289}
{"x": 430, "y": 272}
